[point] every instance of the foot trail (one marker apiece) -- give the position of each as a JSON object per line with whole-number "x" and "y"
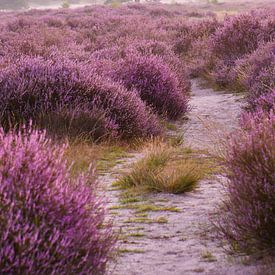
{"x": 186, "y": 243}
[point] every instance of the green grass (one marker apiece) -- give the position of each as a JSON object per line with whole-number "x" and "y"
{"x": 123, "y": 206}
{"x": 136, "y": 235}
{"x": 127, "y": 250}
{"x": 147, "y": 220}
{"x": 161, "y": 220}
{"x": 129, "y": 200}
{"x": 111, "y": 157}
{"x": 155, "y": 208}
{"x": 175, "y": 140}
{"x": 141, "y": 208}
{"x": 143, "y": 215}
{"x": 208, "y": 256}
{"x": 171, "y": 126}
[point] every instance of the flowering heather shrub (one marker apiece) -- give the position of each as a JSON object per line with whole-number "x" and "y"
{"x": 188, "y": 34}
{"x": 151, "y": 47}
{"x": 156, "y": 84}
{"x": 236, "y": 37}
{"x": 53, "y": 22}
{"x": 248, "y": 220}
{"x": 265, "y": 102}
{"x": 49, "y": 223}
{"x": 113, "y": 53}
{"x": 131, "y": 115}
{"x": 256, "y": 73}
{"x": 191, "y": 42}
{"x": 267, "y": 23}
{"x": 34, "y": 87}
{"x": 165, "y": 52}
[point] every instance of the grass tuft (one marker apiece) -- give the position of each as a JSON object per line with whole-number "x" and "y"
{"x": 165, "y": 168}
{"x": 208, "y": 256}
{"x": 126, "y": 250}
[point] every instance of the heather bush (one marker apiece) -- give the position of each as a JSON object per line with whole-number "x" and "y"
{"x": 248, "y": 219}
{"x": 265, "y": 103}
{"x": 191, "y": 43}
{"x": 155, "y": 83}
{"x": 49, "y": 222}
{"x": 256, "y": 73}
{"x": 36, "y": 89}
{"x": 165, "y": 52}
{"x": 224, "y": 74}
{"x": 236, "y": 37}
{"x": 188, "y": 35}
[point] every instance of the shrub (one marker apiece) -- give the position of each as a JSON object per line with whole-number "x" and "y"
{"x": 156, "y": 84}
{"x": 256, "y": 73}
{"x": 265, "y": 103}
{"x": 49, "y": 222}
{"x": 188, "y": 35}
{"x": 248, "y": 218}
{"x": 34, "y": 88}
{"x": 236, "y": 37}
{"x": 65, "y": 4}
{"x": 223, "y": 74}
{"x": 163, "y": 51}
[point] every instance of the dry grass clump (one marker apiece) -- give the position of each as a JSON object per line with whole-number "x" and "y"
{"x": 165, "y": 169}
{"x": 81, "y": 153}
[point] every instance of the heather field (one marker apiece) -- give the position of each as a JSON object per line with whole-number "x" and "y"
{"x": 137, "y": 138}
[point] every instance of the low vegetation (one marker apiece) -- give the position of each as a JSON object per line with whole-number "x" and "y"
{"x": 165, "y": 169}
{"x": 49, "y": 222}
{"x": 248, "y": 219}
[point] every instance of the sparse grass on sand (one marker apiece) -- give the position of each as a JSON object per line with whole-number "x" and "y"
{"x": 165, "y": 168}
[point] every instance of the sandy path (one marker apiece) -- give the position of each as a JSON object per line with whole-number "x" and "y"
{"x": 213, "y": 116}
{"x": 186, "y": 243}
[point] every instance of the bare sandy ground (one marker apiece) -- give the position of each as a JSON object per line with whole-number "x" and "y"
{"x": 186, "y": 244}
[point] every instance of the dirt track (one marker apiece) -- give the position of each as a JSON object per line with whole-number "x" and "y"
{"x": 186, "y": 243}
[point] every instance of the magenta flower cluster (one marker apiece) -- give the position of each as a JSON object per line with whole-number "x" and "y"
{"x": 49, "y": 222}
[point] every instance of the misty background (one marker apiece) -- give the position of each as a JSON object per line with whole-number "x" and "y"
{"x": 24, "y": 4}
{"x": 42, "y": 4}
